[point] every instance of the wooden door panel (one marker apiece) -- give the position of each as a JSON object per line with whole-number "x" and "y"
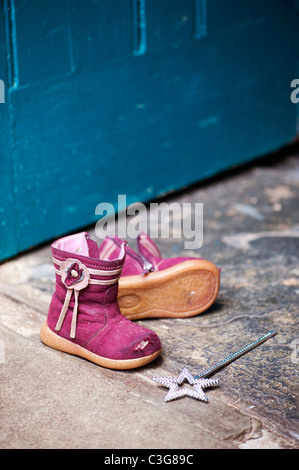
{"x": 137, "y": 98}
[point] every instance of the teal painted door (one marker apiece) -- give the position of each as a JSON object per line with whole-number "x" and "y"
{"x": 133, "y": 97}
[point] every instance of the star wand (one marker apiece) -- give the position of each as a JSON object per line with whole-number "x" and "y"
{"x": 199, "y": 382}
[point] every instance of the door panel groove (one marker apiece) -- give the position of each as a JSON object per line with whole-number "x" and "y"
{"x": 200, "y": 23}
{"x": 139, "y": 27}
{"x": 11, "y": 43}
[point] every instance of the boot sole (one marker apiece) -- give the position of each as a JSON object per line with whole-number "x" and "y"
{"x": 184, "y": 290}
{"x": 54, "y": 341}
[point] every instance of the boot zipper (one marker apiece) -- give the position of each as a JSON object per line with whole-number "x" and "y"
{"x": 147, "y": 267}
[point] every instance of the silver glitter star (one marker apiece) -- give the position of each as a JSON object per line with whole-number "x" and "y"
{"x": 195, "y": 392}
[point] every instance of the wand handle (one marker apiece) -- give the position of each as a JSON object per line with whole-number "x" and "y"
{"x": 235, "y": 355}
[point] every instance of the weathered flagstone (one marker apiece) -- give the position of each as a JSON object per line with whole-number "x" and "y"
{"x": 49, "y": 399}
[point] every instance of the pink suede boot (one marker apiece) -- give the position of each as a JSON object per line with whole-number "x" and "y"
{"x": 84, "y": 317}
{"x": 151, "y": 286}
